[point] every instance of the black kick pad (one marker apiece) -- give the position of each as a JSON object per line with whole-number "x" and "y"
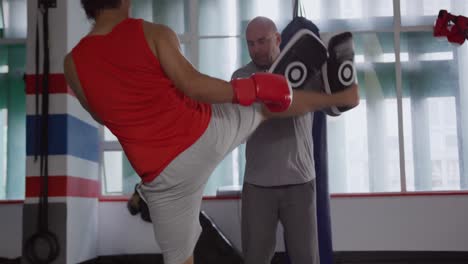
{"x": 301, "y": 58}
{"x": 339, "y": 73}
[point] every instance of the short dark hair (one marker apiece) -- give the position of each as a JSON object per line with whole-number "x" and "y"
{"x": 93, "y": 7}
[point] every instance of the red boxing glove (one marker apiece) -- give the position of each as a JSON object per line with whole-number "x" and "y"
{"x": 441, "y": 24}
{"x": 244, "y": 91}
{"x": 455, "y": 35}
{"x": 455, "y": 28}
{"x": 462, "y": 24}
{"x": 271, "y": 89}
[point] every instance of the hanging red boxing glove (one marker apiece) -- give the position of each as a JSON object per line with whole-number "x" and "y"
{"x": 455, "y": 35}
{"x": 462, "y": 24}
{"x": 455, "y": 28}
{"x": 441, "y": 24}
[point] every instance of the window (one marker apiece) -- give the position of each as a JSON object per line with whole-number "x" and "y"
{"x": 434, "y": 111}
{"x": 338, "y": 15}
{"x": 13, "y": 26}
{"x": 423, "y": 12}
{"x": 3, "y": 152}
{"x": 409, "y": 132}
{"x": 12, "y": 98}
{"x": 2, "y": 20}
{"x": 12, "y": 121}
{"x": 366, "y": 150}
{"x": 118, "y": 175}
{"x": 361, "y": 143}
{"x": 3, "y": 121}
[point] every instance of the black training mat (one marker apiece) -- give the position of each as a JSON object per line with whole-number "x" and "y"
{"x": 213, "y": 247}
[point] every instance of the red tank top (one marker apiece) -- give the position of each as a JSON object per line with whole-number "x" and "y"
{"x": 128, "y": 90}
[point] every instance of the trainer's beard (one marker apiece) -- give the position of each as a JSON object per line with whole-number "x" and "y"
{"x": 263, "y": 62}
{"x": 263, "y": 67}
{"x": 266, "y": 66}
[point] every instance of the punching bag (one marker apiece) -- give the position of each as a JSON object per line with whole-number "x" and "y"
{"x": 319, "y": 136}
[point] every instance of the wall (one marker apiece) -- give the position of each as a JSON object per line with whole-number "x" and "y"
{"x": 11, "y": 233}
{"x": 426, "y": 223}
{"x": 420, "y": 223}
{"x": 407, "y": 223}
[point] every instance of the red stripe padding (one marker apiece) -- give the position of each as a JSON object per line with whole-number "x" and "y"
{"x": 2, "y": 202}
{"x": 112, "y": 198}
{"x": 400, "y": 194}
{"x": 125, "y": 198}
{"x": 63, "y": 186}
{"x": 57, "y": 84}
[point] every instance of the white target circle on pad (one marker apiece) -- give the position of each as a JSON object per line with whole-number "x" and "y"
{"x": 346, "y": 73}
{"x": 296, "y": 73}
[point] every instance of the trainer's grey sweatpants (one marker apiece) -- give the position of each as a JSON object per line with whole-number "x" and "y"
{"x": 292, "y": 205}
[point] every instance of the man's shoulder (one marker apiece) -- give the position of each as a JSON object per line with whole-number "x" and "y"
{"x": 159, "y": 30}
{"x": 245, "y": 71}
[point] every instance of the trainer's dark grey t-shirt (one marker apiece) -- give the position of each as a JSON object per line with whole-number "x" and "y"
{"x": 280, "y": 151}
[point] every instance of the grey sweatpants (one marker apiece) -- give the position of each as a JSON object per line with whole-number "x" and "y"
{"x": 264, "y": 207}
{"x": 174, "y": 197}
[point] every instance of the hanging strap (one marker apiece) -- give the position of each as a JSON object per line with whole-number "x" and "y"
{"x": 298, "y": 9}
{"x": 36, "y": 90}
{"x": 43, "y": 235}
{"x": 45, "y": 125}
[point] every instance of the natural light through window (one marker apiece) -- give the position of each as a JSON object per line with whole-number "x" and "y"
{"x": 444, "y": 143}
{"x": 443, "y": 159}
{"x": 353, "y": 9}
{"x": 1, "y": 18}
{"x": 268, "y": 8}
{"x": 372, "y": 162}
{"x": 113, "y": 171}
{"x": 3, "y": 151}
{"x": 6, "y": 13}
{"x": 4, "y": 69}
{"x": 424, "y": 7}
{"x": 15, "y": 13}
{"x": 108, "y": 136}
{"x": 404, "y": 57}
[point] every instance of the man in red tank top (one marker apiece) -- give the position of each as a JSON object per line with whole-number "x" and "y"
{"x": 174, "y": 123}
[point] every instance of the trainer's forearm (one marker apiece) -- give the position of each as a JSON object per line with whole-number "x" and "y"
{"x": 308, "y": 101}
